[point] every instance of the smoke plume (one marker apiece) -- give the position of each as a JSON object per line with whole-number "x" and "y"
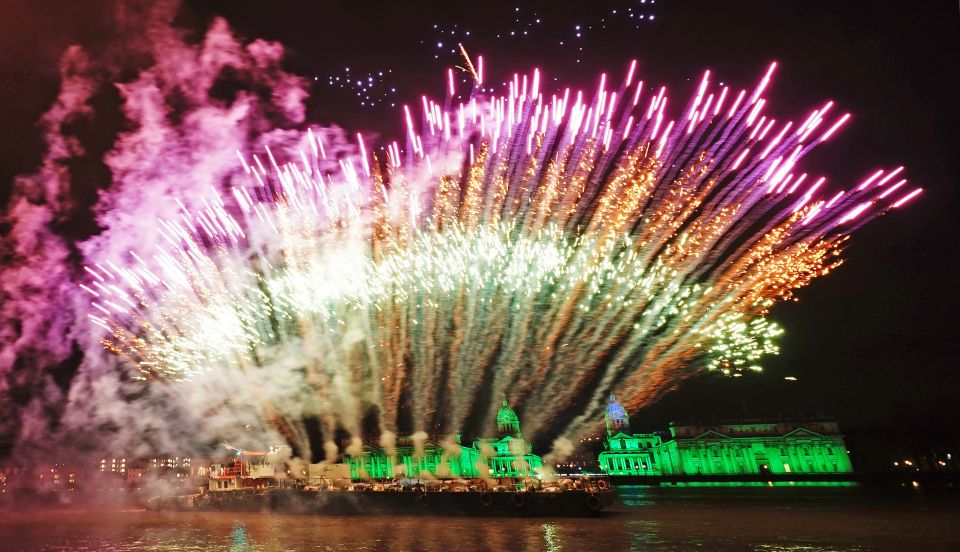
{"x": 187, "y": 108}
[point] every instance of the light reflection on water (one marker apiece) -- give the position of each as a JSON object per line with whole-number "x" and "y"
{"x": 550, "y": 540}
{"x": 240, "y": 541}
{"x": 762, "y": 519}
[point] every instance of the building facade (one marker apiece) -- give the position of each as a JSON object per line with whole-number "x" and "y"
{"x": 506, "y": 455}
{"x": 754, "y": 447}
{"x": 433, "y": 458}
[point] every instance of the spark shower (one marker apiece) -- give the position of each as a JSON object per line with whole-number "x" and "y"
{"x": 548, "y": 246}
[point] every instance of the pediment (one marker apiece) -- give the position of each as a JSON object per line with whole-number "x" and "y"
{"x": 803, "y": 432}
{"x": 710, "y": 435}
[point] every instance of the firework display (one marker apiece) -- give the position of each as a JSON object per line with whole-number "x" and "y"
{"x": 547, "y": 246}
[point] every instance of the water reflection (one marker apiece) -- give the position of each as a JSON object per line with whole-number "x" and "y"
{"x": 552, "y": 542}
{"x": 644, "y": 535}
{"x": 808, "y": 519}
{"x": 241, "y": 542}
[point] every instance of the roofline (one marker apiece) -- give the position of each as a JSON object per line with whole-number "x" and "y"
{"x": 738, "y": 421}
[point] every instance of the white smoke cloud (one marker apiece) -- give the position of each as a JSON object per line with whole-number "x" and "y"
{"x": 179, "y": 146}
{"x": 330, "y": 449}
{"x": 562, "y": 449}
{"x": 388, "y": 440}
{"x": 36, "y": 281}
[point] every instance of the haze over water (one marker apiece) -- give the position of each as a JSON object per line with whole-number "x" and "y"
{"x": 812, "y": 519}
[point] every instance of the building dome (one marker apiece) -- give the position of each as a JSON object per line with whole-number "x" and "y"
{"x": 615, "y": 410}
{"x": 506, "y": 415}
{"x": 507, "y": 421}
{"x": 616, "y": 417}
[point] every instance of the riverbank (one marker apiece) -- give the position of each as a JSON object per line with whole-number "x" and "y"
{"x": 948, "y": 480}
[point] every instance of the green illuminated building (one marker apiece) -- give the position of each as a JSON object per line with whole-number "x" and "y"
{"x": 723, "y": 449}
{"x": 444, "y": 457}
{"x": 507, "y": 455}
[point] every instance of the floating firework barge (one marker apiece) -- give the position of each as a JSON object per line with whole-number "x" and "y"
{"x": 250, "y": 484}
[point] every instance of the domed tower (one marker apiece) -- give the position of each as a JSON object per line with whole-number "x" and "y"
{"x": 616, "y": 418}
{"x": 507, "y": 422}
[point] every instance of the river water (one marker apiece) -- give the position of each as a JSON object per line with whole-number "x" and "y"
{"x": 760, "y": 518}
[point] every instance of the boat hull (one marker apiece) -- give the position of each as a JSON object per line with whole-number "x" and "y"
{"x": 572, "y": 503}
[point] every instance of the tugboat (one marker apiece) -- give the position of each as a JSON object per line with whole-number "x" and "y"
{"x": 249, "y": 484}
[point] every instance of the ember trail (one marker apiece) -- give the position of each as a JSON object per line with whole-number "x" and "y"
{"x": 547, "y": 246}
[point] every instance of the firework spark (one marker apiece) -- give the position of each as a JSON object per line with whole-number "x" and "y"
{"x": 537, "y": 245}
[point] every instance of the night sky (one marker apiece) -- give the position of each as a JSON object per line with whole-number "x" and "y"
{"x": 873, "y": 345}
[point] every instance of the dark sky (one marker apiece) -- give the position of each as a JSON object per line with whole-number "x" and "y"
{"x": 874, "y": 344}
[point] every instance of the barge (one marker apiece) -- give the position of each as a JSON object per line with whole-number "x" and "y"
{"x": 549, "y": 502}
{"x": 251, "y": 484}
